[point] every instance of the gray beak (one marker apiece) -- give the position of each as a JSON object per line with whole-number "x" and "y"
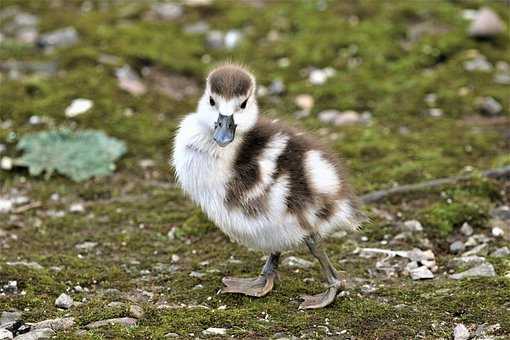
{"x": 224, "y": 130}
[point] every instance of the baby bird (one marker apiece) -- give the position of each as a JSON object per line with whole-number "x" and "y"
{"x": 264, "y": 184}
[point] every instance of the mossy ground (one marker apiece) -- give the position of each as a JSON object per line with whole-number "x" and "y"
{"x": 131, "y": 213}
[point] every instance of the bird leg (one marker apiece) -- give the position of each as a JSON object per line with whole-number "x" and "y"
{"x": 257, "y": 287}
{"x": 336, "y": 283}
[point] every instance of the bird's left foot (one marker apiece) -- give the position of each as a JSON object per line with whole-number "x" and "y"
{"x": 323, "y": 299}
{"x": 257, "y": 287}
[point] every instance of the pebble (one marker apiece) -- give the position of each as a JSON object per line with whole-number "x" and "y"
{"x": 6, "y": 205}
{"x": 304, "y": 102}
{"x": 460, "y": 332}
{"x": 78, "y": 107}
{"x": 482, "y": 270}
{"x": 338, "y": 118}
{"x": 54, "y": 324}
{"x": 64, "y": 301}
{"x": 479, "y": 63}
{"x": 296, "y": 262}
{"x": 320, "y": 76}
{"x": 435, "y": 112}
{"x": 77, "y": 208}
{"x": 502, "y": 212}
{"x": 479, "y": 249}
{"x": 31, "y": 265}
{"x": 466, "y": 229}
{"x": 166, "y": 11}
{"x": 5, "y": 334}
{"x": 497, "y": 232}
{"x": 64, "y": 37}
{"x": 413, "y": 225}
{"x": 457, "y": 247}
{"x": 6, "y": 163}
{"x": 116, "y": 321}
{"x": 466, "y": 261}
{"x": 215, "y": 331}
{"x": 501, "y": 252}
{"x": 136, "y": 311}
{"x": 198, "y": 275}
{"x": 215, "y": 39}
{"x": 8, "y": 317}
{"x": 171, "y": 335}
{"x": 486, "y": 24}
{"x": 489, "y": 105}
{"x": 232, "y": 39}
{"x": 86, "y": 246}
{"x": 421, "y": 273}
{"x": 129, "y": 81}
{"x": 11, "y": 287}
{"x": 276, "y": 87}
{"x": 476, "y": 239}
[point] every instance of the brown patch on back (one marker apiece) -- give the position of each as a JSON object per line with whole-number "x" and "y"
{"x": 230, "y": 81}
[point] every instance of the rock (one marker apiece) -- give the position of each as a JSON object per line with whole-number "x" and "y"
{"x": 497, "y": 232}
{"x": 421, "y": 273}
{"x": 175, "y": 258}
{"x": 5, "y": 334}
{"x": 215, "y": 331}
{"x": 479, "y": 249}
{"x": 276, "y": 87}
{"x": 215, "y": 39}
{"x": 171, "y": 335}
{"x": 8, "y": 317}
{"x": 77, "y": 208}
{"x": 476, "y": 239}
{"x": 54, "y": 324}
{"x": 479, "y": 63}
{"x": 232, "y": 39}
{"x": 64, "y": 37}
{"x": 64, "y": 301}
{"x": 296, "y": 262}
{"x": 320, "y": 76}
{"x": 413, "y": 225}
{"x": 198, "y": 275}
{"x": 304, "y": 102}
{"x": 5, "y": 205}
{"x": 460, "y": 332}
{"x": 86, "y": 246}
{"x": 30, "y": 265}
{"x": 6, "y": 163}
{"x": 43, "y": 333}
{"x": 489, "y": 105}
{"x": 502, "y": 212}
{"x": 136, "y": 311}
{"x": 466, "y": 261}
{"x": 78, "y": 106}
{"x": 435, "y": 112}
{"x": 340, "y": 118}
{"x": 166, "y": 11}
{"x": 456, "y": 247}
{"x": 486, "y": 24}
{"x": 116, "y": 321}
{"x": 11, "y": 287}
{"x": 129, "y": 81}
{"x": 466, "y": 229}
{"x": 482, "y": 270}
{"x": 501, "y": 252}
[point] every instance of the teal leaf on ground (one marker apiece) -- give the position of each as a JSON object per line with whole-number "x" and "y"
{"x": 79, "y": 155}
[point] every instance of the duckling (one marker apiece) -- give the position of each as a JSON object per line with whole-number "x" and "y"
{"x": 266, "y": 185}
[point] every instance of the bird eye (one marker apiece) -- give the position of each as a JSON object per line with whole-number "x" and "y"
{"x": 211, "y": 101}
{"x": 243, "y": 104}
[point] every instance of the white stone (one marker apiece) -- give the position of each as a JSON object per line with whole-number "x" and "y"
{"x": 486, "y": 24}
{"x": 421, "y": 273}
{"x": 482, "y": 270}
{"x": 37, "y": 334}
{"x": 497, "y": 232}
{"x": 501, "y": 252}
{"x": 78, "y": 106}
{"x": 466, "y": 229}
{"x": 232, "y": 39}
{"x": 5, "y": 334}
{"x": 215, "y": 331}
{"x": 296, "y": 262}
{"x": 64, "y": 301}
{"x": 5, "y": 205}
{"x": 304, "y": 101}
{"x": 6, "y": 163}
{"x": 413, "y": 225}
{"x": 77, "y": 208}
{"x": 460, "y": 332}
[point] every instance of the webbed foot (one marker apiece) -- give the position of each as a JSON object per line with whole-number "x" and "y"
{"x": 256, "y": 287}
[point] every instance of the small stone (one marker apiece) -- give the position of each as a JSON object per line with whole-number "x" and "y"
{"x": 457, "y": 247}
{"x": 296, "y": 262}
{"x": 340, "y": 118}
{"x": 466, "y": 229}
{"x": 489, "y": 105}
{"x": 5, "y": 334}
{"x": 175, "y": 258}
{"x": 171, "y": 335}
{"x": 479, "y": 249}
{"x": 6, "y": 163}
{"x": 501, "y": 252}
{"x": 421, "y": 273}
{"x": 78, "y": 106}
{"x": 64, "y": 37}
{"x": 502, "y": 212}
{"x": 497, "y": 232}
{"x": 320, "y": 76}
{"x": 435, "y": 112}
{"x": 129, "y": 81}
{"x": 64, "y": 301}
{"x": 466, "y": 261}
{"x": 276, "y": 87}
{"x": 54, "y": 324}
{"x": 413, "y": 225}
{"x": 11, "y": 287}
{"x": 166, "y": 11}
{"x": 77, "y": 208}
{"x": 486, "y": 24}
{"x": 479, "y": 64}
{"x": 86, "y": 246}
{"x": 116, "y": 321}
{"x": 215, "y": 331}
{"x": 5, "y": 205}
{"x": 460, "y": 332}
{"x": 30, "y": 265}
{"x": 482, "y": 270}
{"x": 304, "y": 102}
{"x": 476, "y": 239}
{"x": 37, "y": 334}
{"x": 198, "y": 275}
{"x": 215, "y": 39}
{"x": 232, "y": 39}
{"x": 136, "y": 311}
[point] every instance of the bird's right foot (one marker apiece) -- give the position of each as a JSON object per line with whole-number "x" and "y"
{"x": 256, "y": 287}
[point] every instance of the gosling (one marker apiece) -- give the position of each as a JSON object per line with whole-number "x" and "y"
{"x": 266, "y": 185}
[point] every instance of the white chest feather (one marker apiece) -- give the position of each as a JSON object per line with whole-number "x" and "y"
{"x": 204, "y": 170}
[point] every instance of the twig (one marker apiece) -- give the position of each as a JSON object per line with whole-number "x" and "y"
{"x": 26, "y": 207}
{"x": 404, "y": 189}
